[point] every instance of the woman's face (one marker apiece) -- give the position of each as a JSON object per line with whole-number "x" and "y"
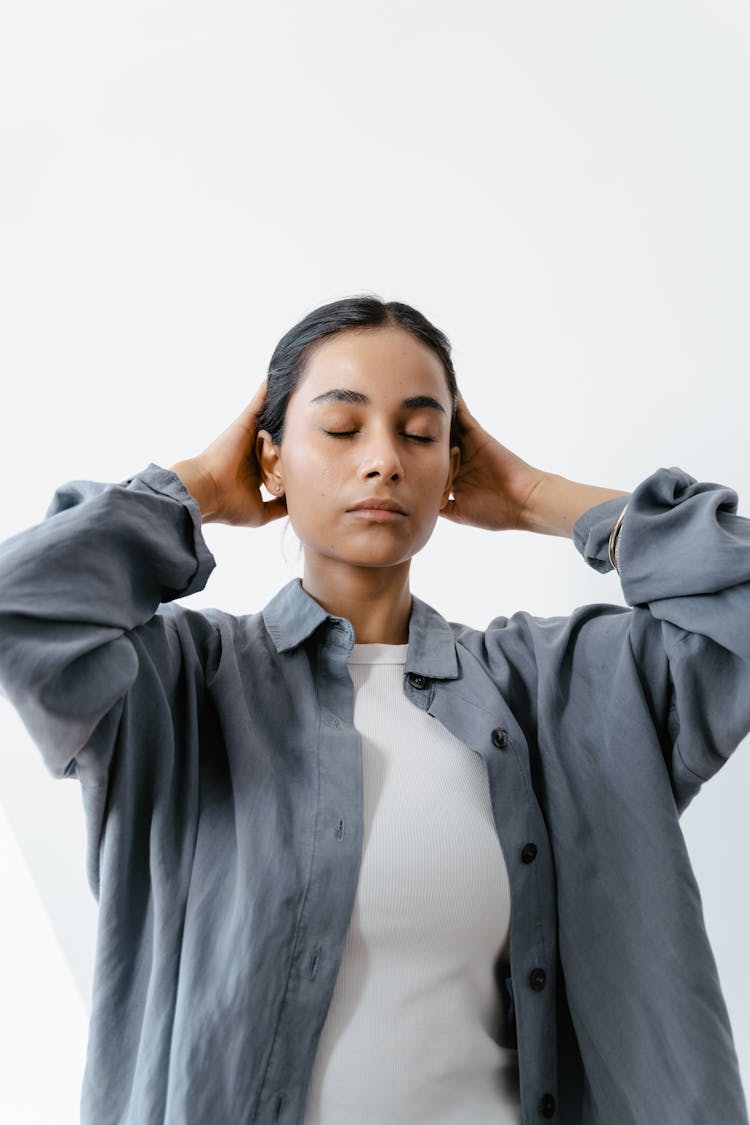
{"x": 359, "y": 383}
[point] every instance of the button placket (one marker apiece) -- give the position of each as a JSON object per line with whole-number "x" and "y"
{"x": 519, "y": 823}
{"x": 331, "y": 880}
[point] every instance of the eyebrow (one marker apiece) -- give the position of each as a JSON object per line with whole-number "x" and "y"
{"x": 343, "y": 394}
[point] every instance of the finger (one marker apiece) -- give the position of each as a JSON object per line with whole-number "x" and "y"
{"x": 261, "y": 389}
{"x": 462, "y": 408}
{"x": 256, "y": 403}
{"x": 259, "y": 396}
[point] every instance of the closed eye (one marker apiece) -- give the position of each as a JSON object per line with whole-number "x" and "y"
{"x": 351, "y": 433}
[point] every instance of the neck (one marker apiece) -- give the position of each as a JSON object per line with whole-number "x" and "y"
{"x": 376, "y": 600}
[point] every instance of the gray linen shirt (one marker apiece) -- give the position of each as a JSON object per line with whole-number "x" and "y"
{"x": 222, "y": 784}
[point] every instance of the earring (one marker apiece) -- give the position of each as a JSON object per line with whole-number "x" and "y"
{"x": 277, "y": 487}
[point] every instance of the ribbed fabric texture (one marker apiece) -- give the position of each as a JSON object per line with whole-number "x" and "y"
{"x": 410, "y": 1034}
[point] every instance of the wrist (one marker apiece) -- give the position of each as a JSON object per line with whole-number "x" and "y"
{"x": 201, "y": 486}
{"x": 556, "y": 503}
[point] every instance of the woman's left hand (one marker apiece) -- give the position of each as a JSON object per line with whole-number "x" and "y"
{"x": 493, "y": 485}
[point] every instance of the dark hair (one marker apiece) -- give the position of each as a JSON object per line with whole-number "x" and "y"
{"x": 294, "y": 348}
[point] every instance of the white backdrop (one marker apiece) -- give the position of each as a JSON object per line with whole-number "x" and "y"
{"x": 562, "y": 188}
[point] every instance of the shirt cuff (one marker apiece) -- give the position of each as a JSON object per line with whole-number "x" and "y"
{"x": 155, "y": 478}
{"x": 592, "y": 530}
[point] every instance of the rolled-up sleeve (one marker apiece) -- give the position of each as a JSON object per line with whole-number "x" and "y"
{"x": 73, "y": 589}
{"x": 684, "y": 566}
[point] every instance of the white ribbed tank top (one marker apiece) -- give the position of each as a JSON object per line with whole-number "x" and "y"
{"x": 410, "y": 1032}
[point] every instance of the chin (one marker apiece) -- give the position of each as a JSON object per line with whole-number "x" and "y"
{"x": 373, "y": 556}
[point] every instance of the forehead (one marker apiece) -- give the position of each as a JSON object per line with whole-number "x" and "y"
{"x": 378, "y": 361}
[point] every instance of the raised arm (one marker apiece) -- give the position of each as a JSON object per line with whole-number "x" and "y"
{"x": 497, "y": 490}
{"x": 683, "y": 556}
{"x": 75, "y": 588}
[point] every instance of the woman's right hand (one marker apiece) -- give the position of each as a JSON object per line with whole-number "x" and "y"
{"x": 225, "y": 478}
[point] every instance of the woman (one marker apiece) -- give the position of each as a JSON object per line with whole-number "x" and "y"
{"x": 354, "y": 863}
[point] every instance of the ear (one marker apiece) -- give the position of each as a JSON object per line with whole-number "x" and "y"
{"x": 269, "y": 461}
{"x": 455, "y": 456}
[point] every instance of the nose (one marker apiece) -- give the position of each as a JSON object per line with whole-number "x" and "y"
{"x": 381, "y": 457}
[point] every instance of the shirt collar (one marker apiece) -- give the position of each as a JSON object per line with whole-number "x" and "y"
{"x": 292, "y": 615}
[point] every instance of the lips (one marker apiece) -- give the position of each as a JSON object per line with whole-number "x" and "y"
{"x": 378, "y": 503}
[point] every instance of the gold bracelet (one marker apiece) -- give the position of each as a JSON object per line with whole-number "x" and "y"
{"x": 614, "y": 541}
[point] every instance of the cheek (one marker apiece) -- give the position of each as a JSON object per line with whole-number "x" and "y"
{"x": 312, "y": 477}
{"x": 434, "y": 474}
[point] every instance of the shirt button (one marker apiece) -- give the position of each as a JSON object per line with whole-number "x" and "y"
{"x": 500, "y": 738}
{"x": 547, "y": 1105}
{"x": 417, "y": 681}
{"x": 537, "y": 979}
{"x": 528, "y": 855}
